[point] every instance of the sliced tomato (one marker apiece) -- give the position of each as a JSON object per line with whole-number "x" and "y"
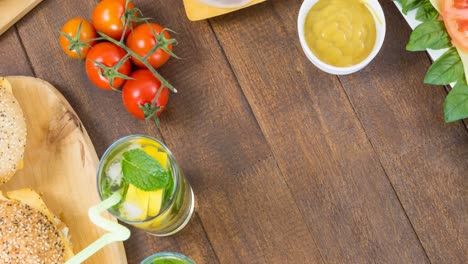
{"x": 455, "y": 14}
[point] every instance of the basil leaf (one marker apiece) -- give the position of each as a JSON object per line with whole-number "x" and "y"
{"x": 429, "y": 35}
{"x": 143, "y": 171}
{"x": 427, "y": 12}
{"x": 445, "y": 70}
{"x": 408, "y": 5}
{"x": 456, "y": 103}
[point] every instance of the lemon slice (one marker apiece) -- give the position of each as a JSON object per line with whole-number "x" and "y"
{"x": 153, "y": 151}
{"x": 155, "y": 202}
{"x": 139, "y": 204}
{"x": 135, "y": 206}
{"x": 156, "y": 197}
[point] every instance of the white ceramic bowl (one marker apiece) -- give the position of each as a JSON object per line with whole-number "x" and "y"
{"x": 380, "y": 26}
{"x": 226, "y": 3}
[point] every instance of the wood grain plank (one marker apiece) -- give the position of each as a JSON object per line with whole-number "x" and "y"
{"x": 191, "y": 241}
{"x": 426, "y": 159}
{"x": 320, "y": 146}
{"x": 271, "y": 222}
{"x": 208, "y": 126}
{"x": 243, "y": 201}
{"x": 57, "y": 145}
{"x": 11, "y": 50}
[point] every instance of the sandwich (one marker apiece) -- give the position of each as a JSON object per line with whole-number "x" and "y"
{"x": 29, "y": 232}
{"x": 12, "y": 133}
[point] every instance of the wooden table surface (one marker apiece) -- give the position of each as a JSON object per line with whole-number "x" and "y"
{"x": 288, "y": 164}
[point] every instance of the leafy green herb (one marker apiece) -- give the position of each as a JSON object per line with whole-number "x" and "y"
{"x": 124, "y": 187}
{"x": 106, "y": 188}
{"x": 169, "y": 190}
{"x": 408, "y": 5}
{"x": 143, "y": 171}
{"x": 456, "y": 103}
{"x": 427, "y": 12}
{"x": 447, "y": 69}
{"x": 429, "y": 35}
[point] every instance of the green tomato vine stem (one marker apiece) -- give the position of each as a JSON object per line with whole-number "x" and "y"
{"x": 164, "y": 82}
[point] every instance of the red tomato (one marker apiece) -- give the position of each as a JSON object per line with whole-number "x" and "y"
{"x": 71, "y": 44}
{"x": 455, "y": 14}
{"x": 141, "y": 91}
{"x": 107, "y": 18}
{"x": 109, "y": 55}
{"x": 141, "y": 40}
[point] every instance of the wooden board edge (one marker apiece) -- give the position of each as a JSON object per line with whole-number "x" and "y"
{"x": 86, "y": 137}
{"x": 18, "y": 16}
{"x": 192, "y": 9}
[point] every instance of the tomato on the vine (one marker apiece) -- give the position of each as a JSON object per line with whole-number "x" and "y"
{"x": 455, "y": 15}
{"x": 109, "y": 17}
{"x": 108, "y": 56}
{"x": 138, "y": 95}
{"x": 141, "y": 40}
{"x": 76, "y": 37}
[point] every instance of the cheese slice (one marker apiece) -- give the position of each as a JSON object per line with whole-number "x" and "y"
{"x": 464, "y": 58}
{"x": 5, "y": 83}
{"x": 197, "y": 10}
{"x": 437, "y": 5}
{"x": 33, "y": 199}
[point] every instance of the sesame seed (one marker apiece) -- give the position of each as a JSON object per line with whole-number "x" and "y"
{"x": 12, "y": 134}
{"x": 28, "y": 236}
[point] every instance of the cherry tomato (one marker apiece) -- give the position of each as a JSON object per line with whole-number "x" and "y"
{"x": 141, "y": 40}
{"x": 140, "y": 91}
{"x": 71, "y": 44}
{"x": 455, "y": 15}
{"x": 107, "y": 18}
{"x": 109, "y": 55}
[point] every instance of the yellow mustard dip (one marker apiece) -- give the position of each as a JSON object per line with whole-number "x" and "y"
{"x": 340, "y": 32}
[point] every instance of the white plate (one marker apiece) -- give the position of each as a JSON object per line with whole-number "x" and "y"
{"x": 413, "y": 23}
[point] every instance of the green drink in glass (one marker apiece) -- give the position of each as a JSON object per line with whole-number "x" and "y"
{"x": 156, "y": 197}
{"x": 167, "y": 258}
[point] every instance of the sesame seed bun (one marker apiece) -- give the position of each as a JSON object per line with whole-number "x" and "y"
{"x": 27, "y": 232}
{"x": 12, "y": 133}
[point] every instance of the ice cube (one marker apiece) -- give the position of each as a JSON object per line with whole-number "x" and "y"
{"x": 134, "y": 146}
{"x": 131, "y": 211}
{"x": 114, "y": 172}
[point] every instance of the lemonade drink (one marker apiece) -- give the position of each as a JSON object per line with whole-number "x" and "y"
{"x": 156, "y": 197}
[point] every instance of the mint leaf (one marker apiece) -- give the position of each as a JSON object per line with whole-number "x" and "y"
{"x": 445, "y": 70}
{"x": 429, "y": 35}
{"x": 456, "y": 103}
{"x": 427, "y": 12}
{"x": 143, "y": 171}
{"x": 408, "y": 5}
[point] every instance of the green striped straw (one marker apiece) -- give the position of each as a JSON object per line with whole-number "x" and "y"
{"x": 117, "y": 232}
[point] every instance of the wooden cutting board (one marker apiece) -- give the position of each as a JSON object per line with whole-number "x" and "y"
{"x": 196, "y": 10}
{"x": 60, "y": 163}
{"x": 13, "y": 10}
